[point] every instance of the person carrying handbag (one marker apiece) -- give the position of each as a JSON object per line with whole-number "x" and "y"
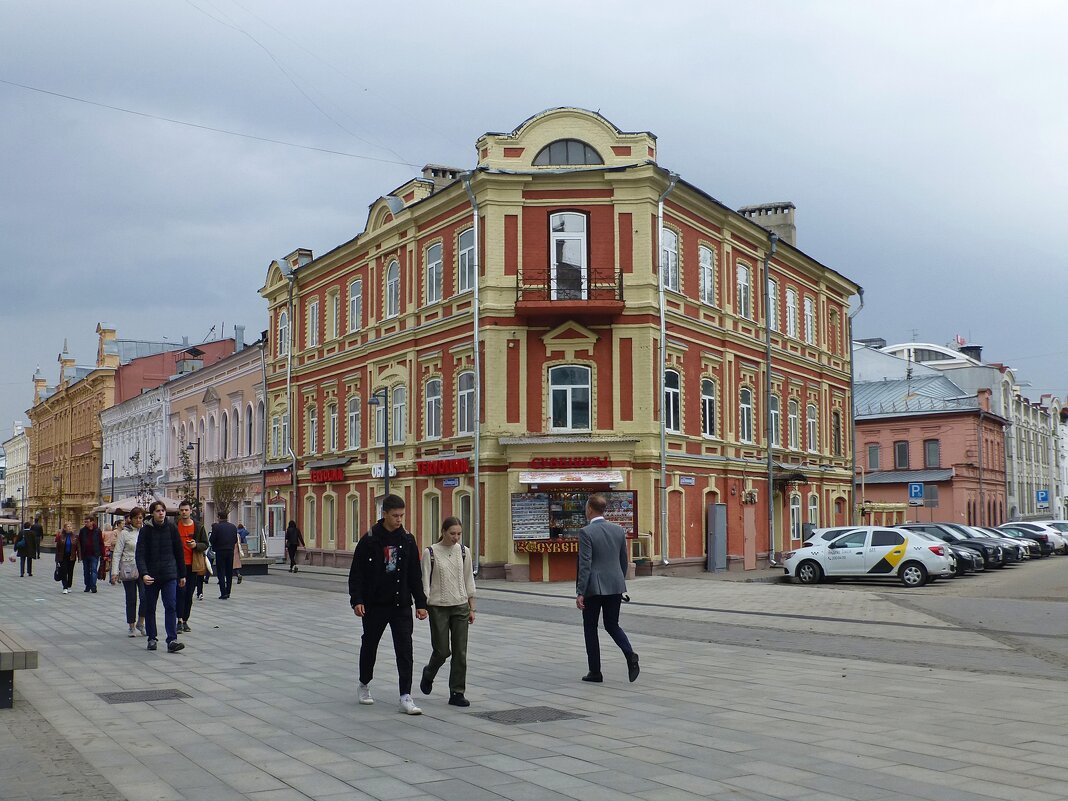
{"x": 26, "y": 548}
{"x": 124, "y": 569}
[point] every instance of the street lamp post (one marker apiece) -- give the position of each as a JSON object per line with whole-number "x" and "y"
{"x": 190, "y": 447}
{"x": 374, "y": 401}
{"x": 111, "y": 467}
{"x": 59, "y": 515}
{"x": 22, "y": 506}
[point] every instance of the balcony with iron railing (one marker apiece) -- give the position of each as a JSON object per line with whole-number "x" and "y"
{"x": 565, "y": 290}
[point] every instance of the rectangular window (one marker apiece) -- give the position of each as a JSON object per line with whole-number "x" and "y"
{"x": 465, "y": 404}
{"x": 353, "y": 423}
{"x": 745, "y": 292}
{"x": 672, "y": 402}
{"x": 400, "y": 414}
{"x": 381, "y": 418}
{"x": 313, "y": 431}
{"x": 901, "y": 455}
{"x": 332, "y": 428}
{"x": 355, "y": 305}
{"x": 433, "y": 274}
{"x": 706, "y": 261}
{"x": 465, "y": 261}
{"x": 773, "y": 304}
{"x": 810, "y": 321}
{"x": 776, "y": 423}
{"x": 932, "y": 453}
{"x": 313, "y": 324}
{"x": 285, "y": 433}
{"x": 335, "y": 315}
{"x": 276, "y": 436}
{"x": 873, "y": 457}
{"x": 791, "y": 313}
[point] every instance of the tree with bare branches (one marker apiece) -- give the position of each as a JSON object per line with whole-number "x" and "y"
{"x": 228, "y": 486}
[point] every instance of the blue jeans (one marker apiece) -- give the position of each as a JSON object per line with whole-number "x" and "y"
{"x": 168, "y": 589}
{"x": 90, "y": 564}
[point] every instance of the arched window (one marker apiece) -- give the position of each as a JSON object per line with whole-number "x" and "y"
{"x": 745, "y": 415}
{"x": 810, "y": 428}
{"x": 224, "y": 437}
{"x": 795, "y": 516}
{"x": 814, "y": 509}
{"x": 669, "y": 259}
{"x": 672, "y": 402}
{"x": 569, "y": 398}
{"x": 567, "y": 250}
{"x": 250, "y": 431}
{"x": 776, "y": 421}
{"x": 566, "y": 152}
{"x": 352, "y": 422}
{"x": 329, "y": 527}
{"x": 282, "y": 346}
{"x": 210, "y": 443}
{"x": 313, "y": 430}
{"x": 433, "y": 408}
{"x": 793, "y": 425}
{"x": 393, "y": 289}
{"x": 708, "y": 407}
{"x": 235, "y": 433}
{"x": 400, "y": 414}
{"x": 260, "y": 427}
{"x": 331, "y": 427}
{"x": 433, "y": 273}
{"x": 744, "y": 301}
{"x": 310, "y": 519}
{"x": 465, "y": 261}
{"x": 706, "y": 261}
{"x": 465, "y": 404}
{"x": 353, "y": 526}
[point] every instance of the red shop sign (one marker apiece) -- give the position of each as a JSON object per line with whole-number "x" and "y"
{"x": 568, "y": 462}
{"x": 328, "y": 475}
{"x": 442, "y": 467}
{"x": 279, "y": 478}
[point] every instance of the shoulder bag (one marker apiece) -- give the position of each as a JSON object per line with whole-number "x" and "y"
{"x": 199, "y": 563}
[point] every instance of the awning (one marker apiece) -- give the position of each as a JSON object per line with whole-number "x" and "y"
{"x": 571, "y": 477}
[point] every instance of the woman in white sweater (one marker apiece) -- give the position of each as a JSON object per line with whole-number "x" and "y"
{"x": 124, "y": 569}
{"x": 449, "y": 584}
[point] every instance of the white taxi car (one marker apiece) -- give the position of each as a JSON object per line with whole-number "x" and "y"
{"x": 873, "y": 551}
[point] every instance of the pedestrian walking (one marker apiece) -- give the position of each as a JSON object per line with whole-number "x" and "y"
{"x": 194, "y": 541}
{"x": 242, "y": 550}
{"x": 294, "y": 540}
{"x": 602, "y": 574}
{"x": 124, "y": 569}
{"x": 66, "y": 556}
{"x": 38, "y": 532}
{"x": 91, "y": 551}
{"x": 111, "y": 536}
{"x": 26, "y": 550}
{"x": 449, "y": 585}
{"x": 384, "y": 580}
{"x": 223, "y": 540}
{"x": 160, "y": 563}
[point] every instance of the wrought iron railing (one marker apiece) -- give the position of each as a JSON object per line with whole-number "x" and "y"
{"x": 567, "y": 282}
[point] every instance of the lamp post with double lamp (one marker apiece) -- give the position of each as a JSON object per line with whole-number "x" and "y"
{"x": 190, "y": 447}
{"x": 375, "y": 402}
{"x": 110, "y": 466}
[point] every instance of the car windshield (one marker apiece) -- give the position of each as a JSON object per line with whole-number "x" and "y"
{"x": 922, "y": 535}
{"x": 1059, "y": 526}
{"x": 954, "y": 535}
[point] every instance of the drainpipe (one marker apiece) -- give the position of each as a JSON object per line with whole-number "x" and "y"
{"x": 263, "y": 456}
{"x": 476, "y": 499}
{"x": 773, "y": 243}
{"x": 852, "y": 414}
{"x": 663, "y": 356}
{"x": 982, "y": 501}
{"x": 291, "y": 278}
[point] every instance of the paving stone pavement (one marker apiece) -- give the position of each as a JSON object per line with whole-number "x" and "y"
{"x": 272, "y": 714}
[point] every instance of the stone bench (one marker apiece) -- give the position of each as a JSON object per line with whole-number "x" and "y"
{"x": 255, "y": 565}
{"x": 13, "y": 656}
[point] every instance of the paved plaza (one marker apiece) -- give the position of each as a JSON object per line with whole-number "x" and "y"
{"x": 737, "y": 699}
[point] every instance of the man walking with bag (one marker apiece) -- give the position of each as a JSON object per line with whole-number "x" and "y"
{"x": 194, "y": 541}
{"x": 602, "y": 573}
{"x": 91, "y": 548}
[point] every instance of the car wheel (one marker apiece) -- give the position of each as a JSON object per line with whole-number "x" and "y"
{"x": 913, "y": 574}
{"x": 809, "y": 572}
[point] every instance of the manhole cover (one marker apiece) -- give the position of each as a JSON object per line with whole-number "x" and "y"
{"x": 136, "y": 696}
{"x": 528, "y": 714}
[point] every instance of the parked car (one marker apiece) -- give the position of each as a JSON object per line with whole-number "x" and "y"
{"x": 827, "y": 534}
{"x": 1035, "y": 548}
{"x": 874, "y": 552}
{"x": 1056, "y": 529}
{"x": 1014, "y": 550}
{"x": 992, "y": 553}
{"x": 967, "y": 560}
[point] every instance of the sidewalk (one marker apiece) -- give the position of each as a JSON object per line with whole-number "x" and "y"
{"x": 272, "y": 714}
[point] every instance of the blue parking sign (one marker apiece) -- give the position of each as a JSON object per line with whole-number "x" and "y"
{"x": 915, "y": 494}
{"x": 1042, "y": 499}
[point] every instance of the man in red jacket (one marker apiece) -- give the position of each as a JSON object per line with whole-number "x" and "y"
{"x": 91, "y": 548}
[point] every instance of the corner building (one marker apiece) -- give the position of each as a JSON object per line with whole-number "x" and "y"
{"x": 550, "y": 254}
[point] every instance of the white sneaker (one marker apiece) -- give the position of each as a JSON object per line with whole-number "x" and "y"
{"x": 363, "y": 692}
{"x": 408, "y": 707}
{"x": 66, "y": 592}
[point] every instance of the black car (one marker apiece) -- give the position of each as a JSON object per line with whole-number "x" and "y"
{"x": 992, "y": 553}
{"x": 969, "y": 560}
{"x": 1015, "y": 550}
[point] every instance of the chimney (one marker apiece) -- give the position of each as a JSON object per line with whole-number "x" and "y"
{"x": 973, "y": 352}
{"x": 984, "y": 399}
{"x": 873, "y": 342}
{"x": 239, "y": 338}
{"x": 776, "y": 217}
{"x": 106, "y": 353}
{"x": 441, "y": 175}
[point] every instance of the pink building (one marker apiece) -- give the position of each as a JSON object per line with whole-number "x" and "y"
{"x": 926, "y": 430}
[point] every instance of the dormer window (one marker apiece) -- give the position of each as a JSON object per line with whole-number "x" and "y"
{"x": 567, "y": 152}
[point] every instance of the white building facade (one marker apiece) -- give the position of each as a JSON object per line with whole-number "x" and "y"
{"x": 17, "y": 471}
{"x": 133, "y": 441}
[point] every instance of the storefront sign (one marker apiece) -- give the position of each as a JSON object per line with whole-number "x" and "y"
{"x": 568, "y": 462}
{"x": 546, "y": 546}
{"x": 450, "y": 483}
{"x": 379, "y": 470}
{"x": 279, "y": 478}
{"x": 442, "y": 467}
{"x": 327, "y": 475}
{"x": 572, "y": 477}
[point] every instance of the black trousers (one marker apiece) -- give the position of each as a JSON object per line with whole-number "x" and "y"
{"x": 186, "y": 593}
{"x": 26, "y": 565}
{"x": 292, "y": 554}
{"x": 135, "y": 598}
{"x": 224, "y": 569}
{"x": 401, "y": 625}
{"x": 609, "y": 605}
{"x": 66, "y": 573}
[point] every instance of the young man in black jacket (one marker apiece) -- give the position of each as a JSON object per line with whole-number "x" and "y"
{"x": 161, "y": 562}
{"x": 383, "y": 581}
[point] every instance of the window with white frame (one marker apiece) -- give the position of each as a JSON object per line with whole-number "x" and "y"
{"x": 568, "y": 252}
{"x": 331, "y": 427}
{"x": 329, "y": 527}
{"x": 224, "y": 437}
{"x": 400, "y": 414}
{"x": 744, "y": 291}
{"x": 250, "y": 432}
{"x": 432, "y": 513}
{"x": 465, "y": 261}
{"x": 706, "y": 264}
{"x": 285, "y": 432}
{"x": 669, "y": 259}
{"x": 283, "y": 333}
{"x": 745, "y": 415}
{"x": 569, "y": 398}
{"x": 313, "y": 430}
{"x": 352, "y": 422}
{"x": 381, "y": 420}
{"x": 313, "y": 323}
{"x": 814, "y": 509}
{"x": 795, "y": 517}
{"x": 672, "y": 402}
{"x": 776, "y": 421}
{"x": 810, "y": 321}
{"x": 773, "y": 304}
{"x": 433, "y": 408}
{"x": 433, "y": 273}
{"x": 393, "y": 289}
{"x": 310, "y": 519}
{"x": 708, "y": 407}
{"x": 276, "y": 436}
{"x": 793, "y": 425}
{"x": 355, "y": 305}
{"x": 791, "y": 312}
{"x": 335, "y": 315}
{"x": 811, "y": 433}
{"x": 465, "y": 404}
{"x": 836, "y": 433}
{"x": 354, "y": 518}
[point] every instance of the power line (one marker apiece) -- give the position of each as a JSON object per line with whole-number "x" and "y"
{"x": 207, "y": 127}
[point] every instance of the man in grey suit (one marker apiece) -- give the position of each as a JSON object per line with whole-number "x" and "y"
{"x": 602, "y": 573}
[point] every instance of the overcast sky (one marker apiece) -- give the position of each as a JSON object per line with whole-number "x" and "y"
{"x": 923, "y": 144}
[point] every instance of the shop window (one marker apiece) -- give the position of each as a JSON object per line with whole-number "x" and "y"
{"x": 706, "y": 263}
{"x": 814, "y": 510}
{"x": 463, "y": 506}
{"x": 569, "y": 398}
{"x": 793, "y": 424}
{"x": 393, "y": 289}
{"x": 708, "y": 407}
{"x": 669, "y": 259}
{"x": 930, "y": 496}
{"x": 283, "y": 334}
{"x": 433, "y": 409}
{"x": 355, "y": 305}
{"x": 795, "y": 516}
{"x": 433, "y": 274}
{"x": 431, "y": 518}
{"x": 465, "y": 404}
{"x": 567, "y": 249}
{"x": 745, "y": 415}
{"x": 776, "y": 422}
{"x": 400, "y": 414}
{"x": 353, "y": 527}
{"x": 811, "y": 428}
{"x": 744, "y": 306}
{"x": 329, "y": 527}
{"x": 310, "y": 520}
{"x": 672, "y": 402}
{"x": 465, "y": 261}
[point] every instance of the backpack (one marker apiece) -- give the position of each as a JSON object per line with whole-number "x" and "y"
{"x": 430, "y": 554}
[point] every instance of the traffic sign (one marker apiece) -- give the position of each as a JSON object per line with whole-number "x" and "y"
{"x": 915, "y": 494}
{"x": 1042, "y": 499}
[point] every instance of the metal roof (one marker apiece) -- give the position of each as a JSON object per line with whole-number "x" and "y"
{"x": 918, "y": 395}
{"x": 932, "y": 476}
